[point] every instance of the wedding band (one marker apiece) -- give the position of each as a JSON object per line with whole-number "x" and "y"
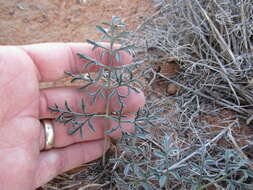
{"x": 49, "y": 134}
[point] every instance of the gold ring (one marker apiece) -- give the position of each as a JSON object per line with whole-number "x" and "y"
{"x": 49, "y": 134}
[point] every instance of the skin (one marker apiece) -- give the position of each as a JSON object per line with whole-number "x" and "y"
{"x": 24, "y": 165}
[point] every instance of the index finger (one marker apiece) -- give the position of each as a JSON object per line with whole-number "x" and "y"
{"x": 53, "y": 59}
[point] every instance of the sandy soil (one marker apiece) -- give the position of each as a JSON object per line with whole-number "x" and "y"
{"x": 33, "y": 21}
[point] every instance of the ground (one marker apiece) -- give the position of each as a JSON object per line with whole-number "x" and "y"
{"x": 31, "y": 21}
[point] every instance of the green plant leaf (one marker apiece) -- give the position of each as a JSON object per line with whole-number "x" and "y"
{"x": 110, "y": 131}
{"x": 84, "y": 86}
{"x": 126, "y": 48}
{"x": 102, "y": 30}
{"x": 126, "y": 169}
{"x": 160, "y": 154}
{"x": 117, "y": 57}
{"x": 115, "y": 19}
{"x": 146, "y": 185}
{"x": 90, "y": 125}
{"x": 138, "y": 171}
{"x": 73, "y": 130}
{"x": 83, "y": 106}
{"x": 162, "y": 180}
{"x": 67, "y": 106}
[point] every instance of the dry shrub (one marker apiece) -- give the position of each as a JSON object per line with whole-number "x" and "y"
{"x": 212, "y": 42}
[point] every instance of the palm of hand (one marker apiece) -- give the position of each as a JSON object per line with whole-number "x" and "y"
{"x": 19, "y": 124}
{"x": 23, "y": 163}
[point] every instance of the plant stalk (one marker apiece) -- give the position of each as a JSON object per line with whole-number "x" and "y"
{"x": 107, "y": 108}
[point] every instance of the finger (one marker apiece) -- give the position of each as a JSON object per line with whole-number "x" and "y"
{"x": 56, "y": 161}
{"x": 63, "y": 139}
{"x": 50, "y": 97}
{"x": 53, "y": 59}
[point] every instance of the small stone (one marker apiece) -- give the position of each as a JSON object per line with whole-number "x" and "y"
{"x": 169, "y": 69}
{"x": 172, "y": 89}
{"x": 21, "y": 7}
{"x": 81, "y": 1}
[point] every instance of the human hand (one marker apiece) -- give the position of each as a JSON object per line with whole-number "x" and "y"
{"x": 24, "y": 165}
